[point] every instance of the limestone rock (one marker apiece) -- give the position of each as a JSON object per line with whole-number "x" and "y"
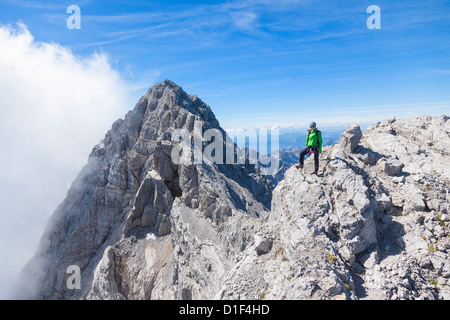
{"x": 262, "y": 244}
{"x": 391, "y": 167}
{"x": 390, "y": 120}
{"x": 350, "y": 138}
{"x": 132, "y": 205}
{"x": 374, "y": 224}
{"x": 358, "y": 221}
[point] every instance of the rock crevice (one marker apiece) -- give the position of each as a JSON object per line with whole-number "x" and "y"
{"x": 374, "y": 224}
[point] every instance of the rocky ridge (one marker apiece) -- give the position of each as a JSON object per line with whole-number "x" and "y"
{"x": 140, "y": 226}
{"x": 373, "y": 225}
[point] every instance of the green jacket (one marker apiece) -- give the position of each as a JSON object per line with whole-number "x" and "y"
{"x": 314, "y": 138}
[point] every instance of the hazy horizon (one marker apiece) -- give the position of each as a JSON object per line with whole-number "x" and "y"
{"x": 257, "y": 63}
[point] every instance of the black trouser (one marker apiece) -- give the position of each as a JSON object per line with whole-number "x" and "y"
{"x": 316, "y": 157}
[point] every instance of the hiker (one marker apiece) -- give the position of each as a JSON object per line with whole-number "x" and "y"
{"x": 313, "y": 146}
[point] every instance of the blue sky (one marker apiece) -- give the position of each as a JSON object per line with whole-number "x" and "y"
{"x": 256, "y": 63}
{"x": 262, "y": 63}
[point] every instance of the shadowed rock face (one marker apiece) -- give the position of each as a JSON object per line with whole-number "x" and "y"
{"x": 133, "y": 218}
{"x": 374, "y": 224}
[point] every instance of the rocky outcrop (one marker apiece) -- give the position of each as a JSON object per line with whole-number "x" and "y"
{"x": 350, "y": 138}
{"x": 140, "y": 226}
{"x": 374, "y": 224}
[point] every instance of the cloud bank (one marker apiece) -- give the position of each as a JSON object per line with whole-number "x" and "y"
{"x": 54, "y": 107}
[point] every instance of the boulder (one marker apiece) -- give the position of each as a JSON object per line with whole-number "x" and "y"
{"x": 350, "y": 138}
{"x": 391, "y": 167}
{"x": 390, "y": 120}
{"x": 140, "y": 226}
{"x": 262, "y": 244}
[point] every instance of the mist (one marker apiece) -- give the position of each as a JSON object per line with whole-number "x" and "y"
{"x": 54, "y": 108}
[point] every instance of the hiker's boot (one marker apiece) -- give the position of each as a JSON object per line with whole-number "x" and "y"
{"x": 315, "y": 172}
{"x": 299, "y": 166}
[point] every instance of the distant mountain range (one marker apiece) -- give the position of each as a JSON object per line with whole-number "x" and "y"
{"x": 291, "y": 143}
{"x": 292, "y": 137}
{"x": 295, "y": 137}
{"x": 145, "y": 220}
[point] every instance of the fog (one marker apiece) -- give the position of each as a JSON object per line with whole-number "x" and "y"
{"x": 54, "y": 107}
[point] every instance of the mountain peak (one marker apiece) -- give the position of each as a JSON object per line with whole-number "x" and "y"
{"x": 166, "y": 84}
{"x": 166, "y": 98}
{"x": 137, "y": 225}
{"x": 132, "y": 196}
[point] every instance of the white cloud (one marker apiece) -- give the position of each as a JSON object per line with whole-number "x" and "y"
{"x": 244, "y": 20}
{"x": 54, "y": 107}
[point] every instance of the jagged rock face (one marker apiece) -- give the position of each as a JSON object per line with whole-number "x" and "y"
{"x": 373, "y": 225}
{"x": 140, "y": 226}
{"x": 350, "y": 138}
{"x": 363, "y": 229}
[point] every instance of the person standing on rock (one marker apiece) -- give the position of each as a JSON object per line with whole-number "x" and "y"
{"x": 313, "y": 146}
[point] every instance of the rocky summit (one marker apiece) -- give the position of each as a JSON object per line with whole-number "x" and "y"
{"x": 138, "y": 226}
{"x": 373, "y": 224}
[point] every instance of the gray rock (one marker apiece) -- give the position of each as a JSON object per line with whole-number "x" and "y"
{"x": 400, "y": 179}
{"x": 350, "y": 138}
{"x": 390, "y": 120}
{"x": 141, "y": 226}
{"x": 262, "y": 244}
{"x": 390, "y": 166}
{"x": 131, "y": 205}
